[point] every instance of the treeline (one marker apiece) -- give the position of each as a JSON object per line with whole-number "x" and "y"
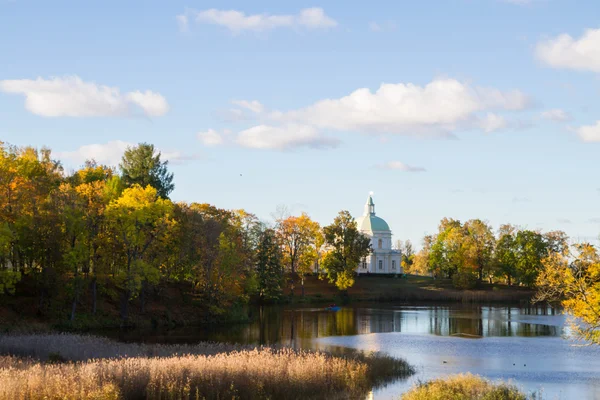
{"x": 470, "y": 252}
{"x": 115, "y": 231}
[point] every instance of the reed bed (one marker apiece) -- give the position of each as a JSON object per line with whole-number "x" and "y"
{"x": 99, "y": 368}
{"x": 464, "y": 387}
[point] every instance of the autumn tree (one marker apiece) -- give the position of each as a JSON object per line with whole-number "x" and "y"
{"x": 137, "y": 220}
{"x": 141, "y": 165}
{"x": 348, "y": 247}
{"x": 480, "y": 243}
{"x": 574, "y": 280}
{"x": 297, "y": 236}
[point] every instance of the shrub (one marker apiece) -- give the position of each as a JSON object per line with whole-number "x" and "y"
{"x": 464, "y": 280}
{"x": 463, "y": 387}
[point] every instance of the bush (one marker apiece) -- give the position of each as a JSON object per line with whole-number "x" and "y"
{"x": 463, "y": 387}
{"x": 464, "y": 280}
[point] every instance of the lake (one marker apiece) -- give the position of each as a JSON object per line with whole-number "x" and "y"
{"x": 529, "y": 345}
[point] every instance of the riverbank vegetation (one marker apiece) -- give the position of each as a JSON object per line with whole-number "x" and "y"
{"x": 101, "y": 246}
{"x": 469, "y": 253}
{"x": 464, "y": 387}
{"x": 104, "y": 369}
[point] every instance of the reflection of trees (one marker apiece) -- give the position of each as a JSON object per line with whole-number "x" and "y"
{"x": 297, "y": 327}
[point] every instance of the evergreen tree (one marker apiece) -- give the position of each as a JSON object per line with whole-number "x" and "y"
{"x": 269, "y": 266}
{"x": 141, "y": 165}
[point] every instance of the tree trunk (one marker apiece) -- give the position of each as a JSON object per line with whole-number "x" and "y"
{"x": 509, "y": 280}
{"x": 94, "y": 298}
{"x": 302, "y": 286}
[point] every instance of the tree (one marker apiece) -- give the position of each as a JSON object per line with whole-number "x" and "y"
{"x": 269, "y": 266}
{"x": 421, "y": 265}
{"x": 575, "y": 281}
{"x": 480, "y": 243}
{"x": 137, "y": 220}
{"x": 348, "y": 247}
{"x": 297, "y": 235}
{"x": 408, "y": 255}
{"x": 531, "y": 249}
{"x": 506, "y": 253}
{"x": 141, "y": 165}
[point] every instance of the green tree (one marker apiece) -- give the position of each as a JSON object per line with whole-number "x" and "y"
{"x": 269, "y": 266}
{"x": 506, "y": 253}
{"x": 141, "y": 165}
{"x": 531, "y": 250}
{"x": 347, "y": 246}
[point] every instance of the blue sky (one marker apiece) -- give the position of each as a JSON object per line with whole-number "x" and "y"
{"x": 465, "y": 108}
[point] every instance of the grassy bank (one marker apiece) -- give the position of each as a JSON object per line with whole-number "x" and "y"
{"x": 171, "y": 305}
{"x": 464, "y": 387}
{"x": 410, "y": 289}
{"x": 60, "y": 366}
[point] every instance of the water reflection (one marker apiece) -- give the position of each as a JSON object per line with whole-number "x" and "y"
{"x": 298, "y": 327}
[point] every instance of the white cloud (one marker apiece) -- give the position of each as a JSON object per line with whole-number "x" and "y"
{"x": 566, "y": 52}
{"x": 254, "y": 106}
{"x": 556, "y": 115}
{"x": 210, "y": 138}
{"x": 111, "y": 153}
{"x": 284, "y": 137}
{"x": 238, "y": 21}
{"x": 72, "y": 97}
{"x": 400, "y": 166}
{"x": 492, "y": 122}
{"x": 437, "y": 108}
{"x": 153, "y": 104}
{"x": 589, "y": 133}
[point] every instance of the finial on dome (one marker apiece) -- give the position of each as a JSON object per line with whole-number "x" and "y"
{"x": 370, "y": 206}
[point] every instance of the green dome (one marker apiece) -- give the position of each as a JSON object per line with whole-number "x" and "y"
{"x": 371, "y": 223}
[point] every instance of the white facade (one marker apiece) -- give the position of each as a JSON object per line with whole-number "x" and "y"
{"x": 382, "y": 260}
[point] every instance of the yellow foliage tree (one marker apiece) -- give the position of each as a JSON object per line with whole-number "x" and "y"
{"x": 575, "y": 281}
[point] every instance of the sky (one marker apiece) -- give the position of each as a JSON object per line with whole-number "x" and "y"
{"x": 442, "y": 108}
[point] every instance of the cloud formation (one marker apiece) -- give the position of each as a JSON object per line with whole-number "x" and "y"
{"x": 564, "y": 51}
{"x": 72, "y": 97}
{"x": 284, "y": 137}
{"x": 400, "y": 166}
{"x": 556, "y": 115}
{"x": 210, "y": 138}
{"x": 589, "y": 133}
{"x": 436, "y": 109}
{"x": 238, "y": 21}
{"x": 110, "y": 153}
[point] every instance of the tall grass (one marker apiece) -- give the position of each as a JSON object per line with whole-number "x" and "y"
{"x": 464, "y": 387}
{"x": 104, "y": 369}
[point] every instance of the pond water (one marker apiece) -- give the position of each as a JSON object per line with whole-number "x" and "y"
{"x": 528, "y": 345}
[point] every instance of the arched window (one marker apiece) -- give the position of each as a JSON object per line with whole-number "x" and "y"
{"x": 380, "y": 243}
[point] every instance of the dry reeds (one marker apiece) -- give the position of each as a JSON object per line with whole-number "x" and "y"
{"x": 203, "y": 371}
{"x": 463, "y": 387}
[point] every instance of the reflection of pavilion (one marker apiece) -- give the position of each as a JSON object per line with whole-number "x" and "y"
{"x": 298, "y": 327}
